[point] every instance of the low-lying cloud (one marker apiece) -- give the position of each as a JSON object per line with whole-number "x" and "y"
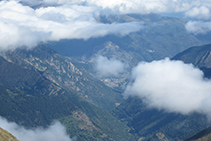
{"x": 78, "y": 19}
{"x": 105, "y": 67}
{"x": 202, "y": 12}
{"x": 55, "y": 132}
{"x": 23, "y": 26}
{"x": 171, "y": 86}
{"x": 198, "y": 27}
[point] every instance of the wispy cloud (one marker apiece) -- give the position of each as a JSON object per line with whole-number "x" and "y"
{"x": 171, "y": 86}
{"x": 105, "y": 67}
{"x": 55, "y": 132}
{"x": 198, "y": 27}
{"x": 202, "y": 12}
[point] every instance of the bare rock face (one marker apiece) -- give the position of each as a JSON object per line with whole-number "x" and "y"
{"x": 6, "y": 136}
{"x": 158, "y": 137}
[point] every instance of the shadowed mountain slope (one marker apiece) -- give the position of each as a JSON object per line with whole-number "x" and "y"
{"x": 64, "y": 73}
{"x": 204, "y": 135}
{"x": 199, "y": 56}
{"x": 31, "y": 100}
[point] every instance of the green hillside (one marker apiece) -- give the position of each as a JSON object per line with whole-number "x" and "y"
{"x": 147, "y": 122}
{"x": 40, "y": 102}
{"x": 199, "y": 56}
{"x": 61, "y": 71}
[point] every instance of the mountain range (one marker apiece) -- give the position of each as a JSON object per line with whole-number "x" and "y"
{"x": 56, "y": 81}
{"x": 30, "y": 99}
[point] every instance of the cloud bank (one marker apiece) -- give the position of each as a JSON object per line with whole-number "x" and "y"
{"x": 77, "y": 19}
{"x": 171, "y": 86}
{"x": 23, "y": 26}
{"x": 55, "y": 132}
{"x": 105, "y": 67}
{"x": 139, "y": 6}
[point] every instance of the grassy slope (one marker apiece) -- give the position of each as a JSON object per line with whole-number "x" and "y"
{"x": 32, "y": 105}
{"x": 6, "y": 136}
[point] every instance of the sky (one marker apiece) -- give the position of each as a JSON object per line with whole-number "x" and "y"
{"x": 77, "y": 19}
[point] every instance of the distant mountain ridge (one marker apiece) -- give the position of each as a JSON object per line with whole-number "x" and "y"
{"x": 153, "y": 42}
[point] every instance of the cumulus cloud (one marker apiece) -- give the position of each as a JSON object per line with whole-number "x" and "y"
{"x": 105, "y": 67}
{"x": 198, "y": 27}
{"x": 202, "y": 12}
{"x": 23, "y": 26}
{"x": 55, "y": 132}
{"x": 171, "y": 86}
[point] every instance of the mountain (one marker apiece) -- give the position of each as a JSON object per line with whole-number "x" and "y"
{"x": 64, "y": 73}
{"x": 153, "y": 42}
{"x": 28, "y": 98}
{"x": 147, "y": 122}
{"x": 204, "y": 135}
{"x": 199, "y": 56}
{"x": 6, "y": 136}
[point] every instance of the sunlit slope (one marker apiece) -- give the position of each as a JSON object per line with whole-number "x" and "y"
{"x": 6, "y": 136}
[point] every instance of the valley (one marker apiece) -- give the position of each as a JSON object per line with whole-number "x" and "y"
{"x": 97, "y": 74}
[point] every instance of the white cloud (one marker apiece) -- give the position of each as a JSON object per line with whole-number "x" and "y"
{"x": 198, "y": 27}
{"x": 105, "y": 67}
{"x": 55, "y": 132}
{"x": 171, "y": 86}
{"x": 202, "y": 12}
{"x": 23, "y": 26}
{"x": 140, "y": 6}
{"x": 63, "y": 1}
{"x": 77, "y": 19}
